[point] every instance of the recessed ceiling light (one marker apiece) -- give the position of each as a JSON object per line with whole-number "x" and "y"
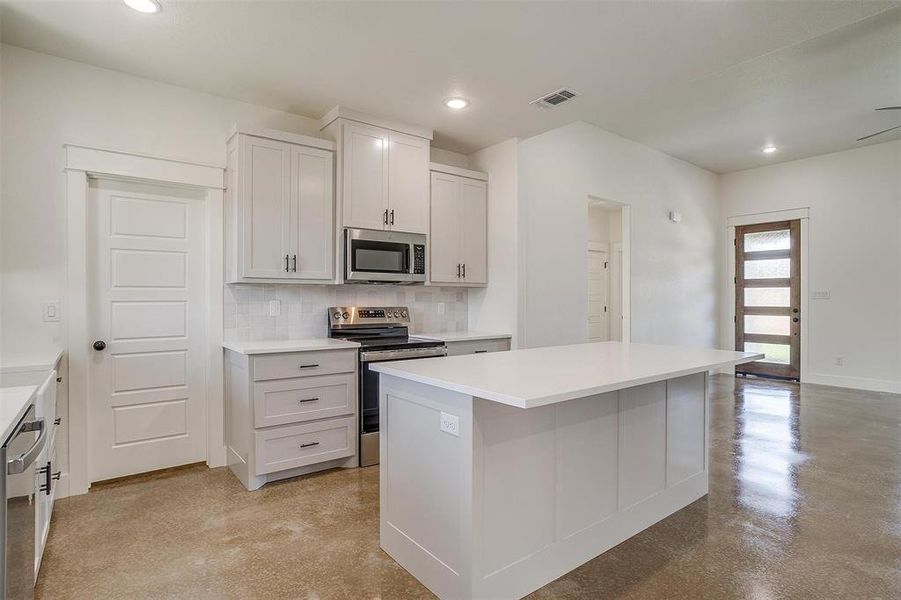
{"x": 456, "y": 103}
{"x": 144, "y": 6}
{"x": 768, "y": 149}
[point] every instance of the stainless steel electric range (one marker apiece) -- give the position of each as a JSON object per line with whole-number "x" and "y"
{"x": 383, "y": 335}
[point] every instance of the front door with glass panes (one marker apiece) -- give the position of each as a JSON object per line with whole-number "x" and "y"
{"x": 768, "y": 297}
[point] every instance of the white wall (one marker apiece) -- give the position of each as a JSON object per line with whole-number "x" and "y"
{"x": 495, "y": 308}
{"x": 598, "y": 225}
{"x": 48, "y": 102}
{"x": 449, "y": 157}
{"x": 854, "y": 251}
{"x": 674, "y": 266}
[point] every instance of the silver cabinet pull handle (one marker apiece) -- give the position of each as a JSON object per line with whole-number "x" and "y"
{"x": 458, "y": 270}
{"x": 302, "y": 400}
{"x": 309, "y": 366}
{"x": 286, "y": 263}
{"x": 385, "y": 218}
{"x": 309, "y": 445}
{"x": 294, "y": 263}
{"x": 464, "y": 270}
{"x": 392, "y": 216}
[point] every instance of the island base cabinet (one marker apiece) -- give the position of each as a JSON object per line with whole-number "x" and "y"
{"x": 485, "y": 500}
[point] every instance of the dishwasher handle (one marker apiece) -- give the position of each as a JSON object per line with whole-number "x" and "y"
{"x": 17, "y": 465}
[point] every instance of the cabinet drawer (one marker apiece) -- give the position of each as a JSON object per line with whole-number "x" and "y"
{"x": 474, "y": 347}
{"x": 283, "y": 401}
{"x": 303, "y": 364}
{"x": 291, "y": 446}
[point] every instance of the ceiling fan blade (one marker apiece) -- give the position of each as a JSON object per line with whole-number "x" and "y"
{"x": 890, "y": 108}
{"x": 866, "y": 137}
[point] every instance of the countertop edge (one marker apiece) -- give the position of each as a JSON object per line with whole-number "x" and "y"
{"x": 20, "y": 411}
{"x": 28, "y": 365}
{"x": 450, "y": 337}
{"x": 520, "y": 402}
{"x": 299, "y": 346}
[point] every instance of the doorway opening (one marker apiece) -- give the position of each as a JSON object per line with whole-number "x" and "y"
{"x": 607, "y": 262}
{"x": 768, "y": 297}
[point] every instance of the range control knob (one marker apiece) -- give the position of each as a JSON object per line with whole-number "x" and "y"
{"x": 336, "y": 315}
{"x": 403, "y": 313}
{"x": 396, "y": 314}
{"x": 345, "y": 315}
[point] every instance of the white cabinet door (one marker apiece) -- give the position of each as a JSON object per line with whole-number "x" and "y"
{"x": 266, "y": 171}
{"x": 474, "y": 230}
{"x": 445, "y": 231}
{"x": 365, "y": 176}
{"x": 408, "y": 183}
{"x": 312, "y": 233}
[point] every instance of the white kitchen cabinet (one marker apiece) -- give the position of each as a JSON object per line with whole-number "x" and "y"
{"x": 383, "y": 172}
{"x": 459, "y": 229}
{"x": 279, "y": 209}
{"x": 290, "y": 413}
{"x": 408, "y": 184}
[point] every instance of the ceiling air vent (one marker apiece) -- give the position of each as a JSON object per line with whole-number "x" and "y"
{"x": 555, "y": 98}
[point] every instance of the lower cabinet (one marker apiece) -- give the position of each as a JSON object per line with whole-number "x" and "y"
{"x": 456, "y": 348}
{"x": 290, "y": 413}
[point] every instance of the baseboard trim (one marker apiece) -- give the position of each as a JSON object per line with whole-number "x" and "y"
{"x": 859, "y": 383}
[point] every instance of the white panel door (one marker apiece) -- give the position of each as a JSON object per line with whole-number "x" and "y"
{"x": 616, "y": 295}
{"x": 408, "y": 184}
{"x": 266, "y": 176}
{"x": 365, "y": 176}
{"x": 598, "y": 323}
{"x": 444, "y": 241}
{"x": 147, "y": 271}
{"x": 474, "y": 230}
{"x": 312, "y": 233}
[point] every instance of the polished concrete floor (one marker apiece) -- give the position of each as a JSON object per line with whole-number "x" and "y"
{"x": 805, "y": 502}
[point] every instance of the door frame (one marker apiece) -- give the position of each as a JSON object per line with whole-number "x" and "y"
{"x": 801, "y": 214}
{"x": 626, "y": 273}
{"x": 603, "y": 247}
{"x": 82, "y": 164}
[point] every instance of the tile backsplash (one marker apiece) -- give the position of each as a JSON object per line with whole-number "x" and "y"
{"x": 304, "y": 308}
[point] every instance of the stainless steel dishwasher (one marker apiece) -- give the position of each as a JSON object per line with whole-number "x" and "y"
{"x": 19, "y": 482}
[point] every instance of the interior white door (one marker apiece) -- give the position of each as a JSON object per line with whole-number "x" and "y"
{"x": 616, "y": 294}
{"x": 266, "y": 178}
{"x": 312, "y": 233}
{"x": 444, "y": 240}
{"x": 146, "y": 295}
{"x": 408, "y": 184}
{"x": 598, "y": 329}
{"x": 474, "y": 230}
{"x": 365, "y": 176}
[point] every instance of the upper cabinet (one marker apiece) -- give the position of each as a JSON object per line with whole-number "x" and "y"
{"x": 383, "y": 172}
{"x": 279, "y": 209}
{"x": 458, "y": 236}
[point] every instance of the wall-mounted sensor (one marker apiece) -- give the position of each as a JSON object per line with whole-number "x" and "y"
{"x": 674, "y": 216}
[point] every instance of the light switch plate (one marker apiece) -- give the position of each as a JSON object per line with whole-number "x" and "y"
{"x": 450, "y": 424}
{"x": 820, "y": 295}
{"x": 275, "y": 308}
{"x": 51, "y": 312}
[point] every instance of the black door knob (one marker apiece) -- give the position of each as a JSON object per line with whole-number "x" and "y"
{"x": 99, "y": 345}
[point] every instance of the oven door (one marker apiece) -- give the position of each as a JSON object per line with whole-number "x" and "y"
{"x": 369, "y": 395}
{"x": 381, "y": 256}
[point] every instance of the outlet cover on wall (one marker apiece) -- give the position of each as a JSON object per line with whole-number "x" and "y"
{"x": 450, "y": 424}
{"x": 275, "y": 308}
{"x": 51, "y": 312}
{"x": 441, "y": 308}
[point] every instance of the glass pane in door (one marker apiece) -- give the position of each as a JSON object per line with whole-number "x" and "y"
{"x": 768, "y": 240}
{"x": 768, "y": 324}
{"x": 767, "y": 296}
{"x": 775, "y": 353}
{"x": 767, "y": 269}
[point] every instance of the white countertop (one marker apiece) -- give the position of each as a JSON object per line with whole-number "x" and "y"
{"x": 540, "y": 376}
{"x": 275, "y": 346}
{"x": 30, "y": 361}
{"x": 463, "y": 336}
{"x": 14, "y": 401}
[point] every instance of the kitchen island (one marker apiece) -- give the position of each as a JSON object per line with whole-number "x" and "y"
{"x": 501, "y": 472}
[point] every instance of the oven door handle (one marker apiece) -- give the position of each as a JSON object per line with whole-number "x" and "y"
{"x": 383, "y": 355}
{"x": 18, "y": 464}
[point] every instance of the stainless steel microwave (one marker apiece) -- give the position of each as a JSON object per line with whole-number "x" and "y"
{"x": 383, "y": 256}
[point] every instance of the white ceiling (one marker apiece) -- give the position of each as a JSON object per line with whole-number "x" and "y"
{"x": 709, "y": 82}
